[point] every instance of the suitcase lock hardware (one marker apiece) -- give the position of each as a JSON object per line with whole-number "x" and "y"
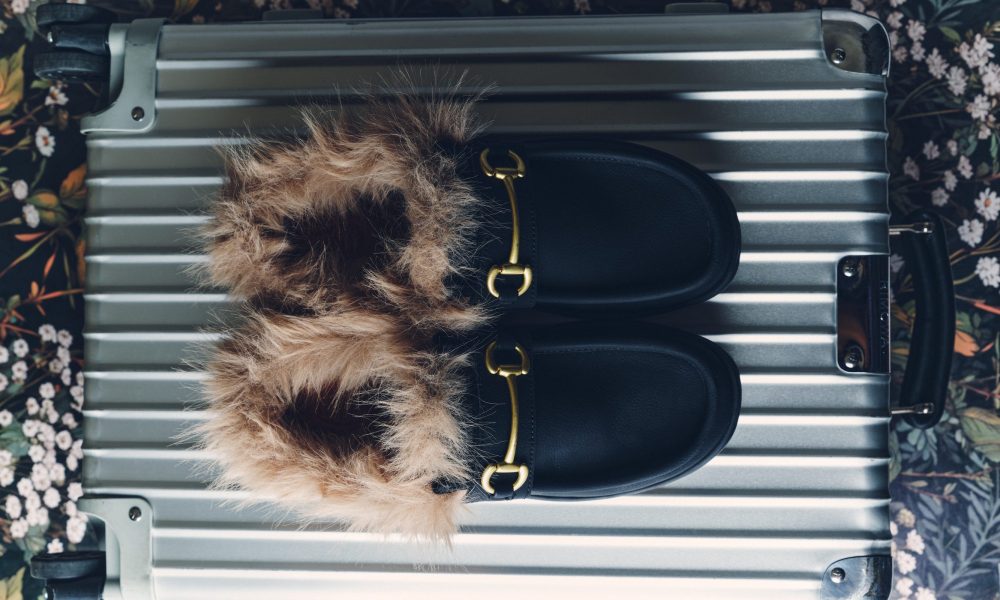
{"x": 507, "y": 175}
{"x": 508, "y": 372}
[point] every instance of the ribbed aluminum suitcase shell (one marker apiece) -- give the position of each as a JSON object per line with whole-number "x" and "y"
{"x": 797, "y": 142}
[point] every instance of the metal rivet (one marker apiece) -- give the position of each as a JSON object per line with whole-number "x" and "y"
{"x": 849, "y": 268}
{"x": 854, "y": 358}
{"x": 138, "y": 113}
{"x": 134, "y": 513}
{"x": 838, "y": 575}
{"x": 838, "y": 56}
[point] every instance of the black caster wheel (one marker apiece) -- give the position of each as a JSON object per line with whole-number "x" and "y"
{"x": 72, "y": 66}
{"x": 67, "y": 565}
{"x": 65, "y": 14}
{"x": 71, "y": 575}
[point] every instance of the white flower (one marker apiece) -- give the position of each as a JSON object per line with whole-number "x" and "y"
{"x": 55, "y": 366}
{"x": 19, "y": 528}
{"x": 30, "y": 428}
{"x": 55, "y": 547}
{"x": 894, "y": 20}
{"x": 953, "y": 147}
{"x": 52, "y": 416}
{"x": 44, "y": 141}
{"x": 6, "y": 458}
{"x": 66, "y": 376}
{"x": 970, "y": 232}
{"x": 19, "y": 6}
{"x": 916, "y": 30}
{"x": 55, "y": 97}
{"x": 47, "y": 434}
{"x": 20, "y": 189}
{"x": 905, "y": 518}
{"x": 905, "y": 562}
{"x": 950, "y": 181}
{"x": 31, "y": 405}
{"x": 69, "y": 421}
{"x": 6, "y": 476}
{"x": 47, "y": 390}
{"x": 70, "y": 508}
{"x": 957, "y": 81}
{"x": 984, "y": 129}
{"x": 939, "y": 197}
{"x": 914, "y": 542}
{"x": 24, "y": 487}
{"x": 51, "y": 498}
{"x": 4, "y": 354}
{"x": 31, "y": 216}
{"x": 57, "y": 473}
{"x": 904, "y": 586}
{"x": 20, "y": 348}
{"x": 988, "y": 204}
{"x": 36, "y": 453}
{"x": 40, "y": 478}
{"x": 64, "y": 440}
{"x": 74, "y": 491}
{"x": 19, "y": 371}
{"x": 990, "y": 78}
{"x": 79, "y": 378}
{"x": 62, "y": 353}
{"x": 978, "y": 53}
{"x": 38, "y": 516}
{"x": 65, "y": 338}
{"x": 76, "y": 528}
{"x": 964, "y": 167}
{"x": 911, "y": 169}
{"x": 896, "y": 3}
{"x": 47, "y": 333}
{"x": 979, "y": 108}
{"x": 925, "y": 594}
{"x": 931, "y": 150}
{"x": 988, "y": 269}
{"x": 6, "y": 418}
{"x": 3, "y": 382}
{"x": 917, "y": 52}
{"x": 72, "y": 462}
{"x": 896, "y": 263}
{"x": 900, "y": 54}
{"x": 77, "y": 392}
{"x": 32, "y": 501}
{"x": 936, "y": 64}
{"x": 893, "y": 528}
{"x": 77, "y": 450}
{"x": 50, "y": 459}
{"x": 13, "y": 506}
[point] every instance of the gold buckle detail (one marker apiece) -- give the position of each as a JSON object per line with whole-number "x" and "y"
{"x": 507, "y": 175}
{"x": 508, "y": 372}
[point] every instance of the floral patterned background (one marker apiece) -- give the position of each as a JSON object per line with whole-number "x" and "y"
{"x": 943, "y": 155}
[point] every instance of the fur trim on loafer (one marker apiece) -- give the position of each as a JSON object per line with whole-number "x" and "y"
{"x": 339, "y": 416}
{"x": 368, "y": 206}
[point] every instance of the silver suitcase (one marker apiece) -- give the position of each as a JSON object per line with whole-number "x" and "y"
{"x": 784, "y": 110}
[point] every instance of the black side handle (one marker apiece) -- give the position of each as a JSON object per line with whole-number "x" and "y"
{"x": 925, "y": 383}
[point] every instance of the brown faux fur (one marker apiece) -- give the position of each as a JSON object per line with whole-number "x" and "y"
{"x": 329, "y": 398}
{"x": 368, "y": 205}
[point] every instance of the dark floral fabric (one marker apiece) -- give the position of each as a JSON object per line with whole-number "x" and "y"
{"x": 944, "y": 94}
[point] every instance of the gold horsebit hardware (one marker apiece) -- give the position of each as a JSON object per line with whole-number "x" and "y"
{"x": 508, "y": 372}
{"x": 507, "y": 175}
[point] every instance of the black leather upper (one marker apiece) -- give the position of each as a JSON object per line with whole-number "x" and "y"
{"x": 606, "y": 227}
{"x": 606, "y": 409}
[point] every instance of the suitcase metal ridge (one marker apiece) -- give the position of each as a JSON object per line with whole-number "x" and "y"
{"x": 796, "y": 507}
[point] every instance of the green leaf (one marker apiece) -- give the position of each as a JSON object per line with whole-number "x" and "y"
{"x": 12, "y": 439}
{"x": 951, "y": 34}
{"x": 895, "y": 465}
{"x": 11, "y": 81}
{"x": 994, "y": 146}
{"x": 13, "y": 301}
{"x": 982, "y": 426}
{"x": 41, "y": 84}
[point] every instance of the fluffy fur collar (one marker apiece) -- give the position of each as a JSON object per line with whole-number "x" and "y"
{"x": 329, "y": 398}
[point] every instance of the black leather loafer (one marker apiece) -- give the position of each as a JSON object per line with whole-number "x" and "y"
{"x": 588, "y": 411}
{"x": 598, "y": 227}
